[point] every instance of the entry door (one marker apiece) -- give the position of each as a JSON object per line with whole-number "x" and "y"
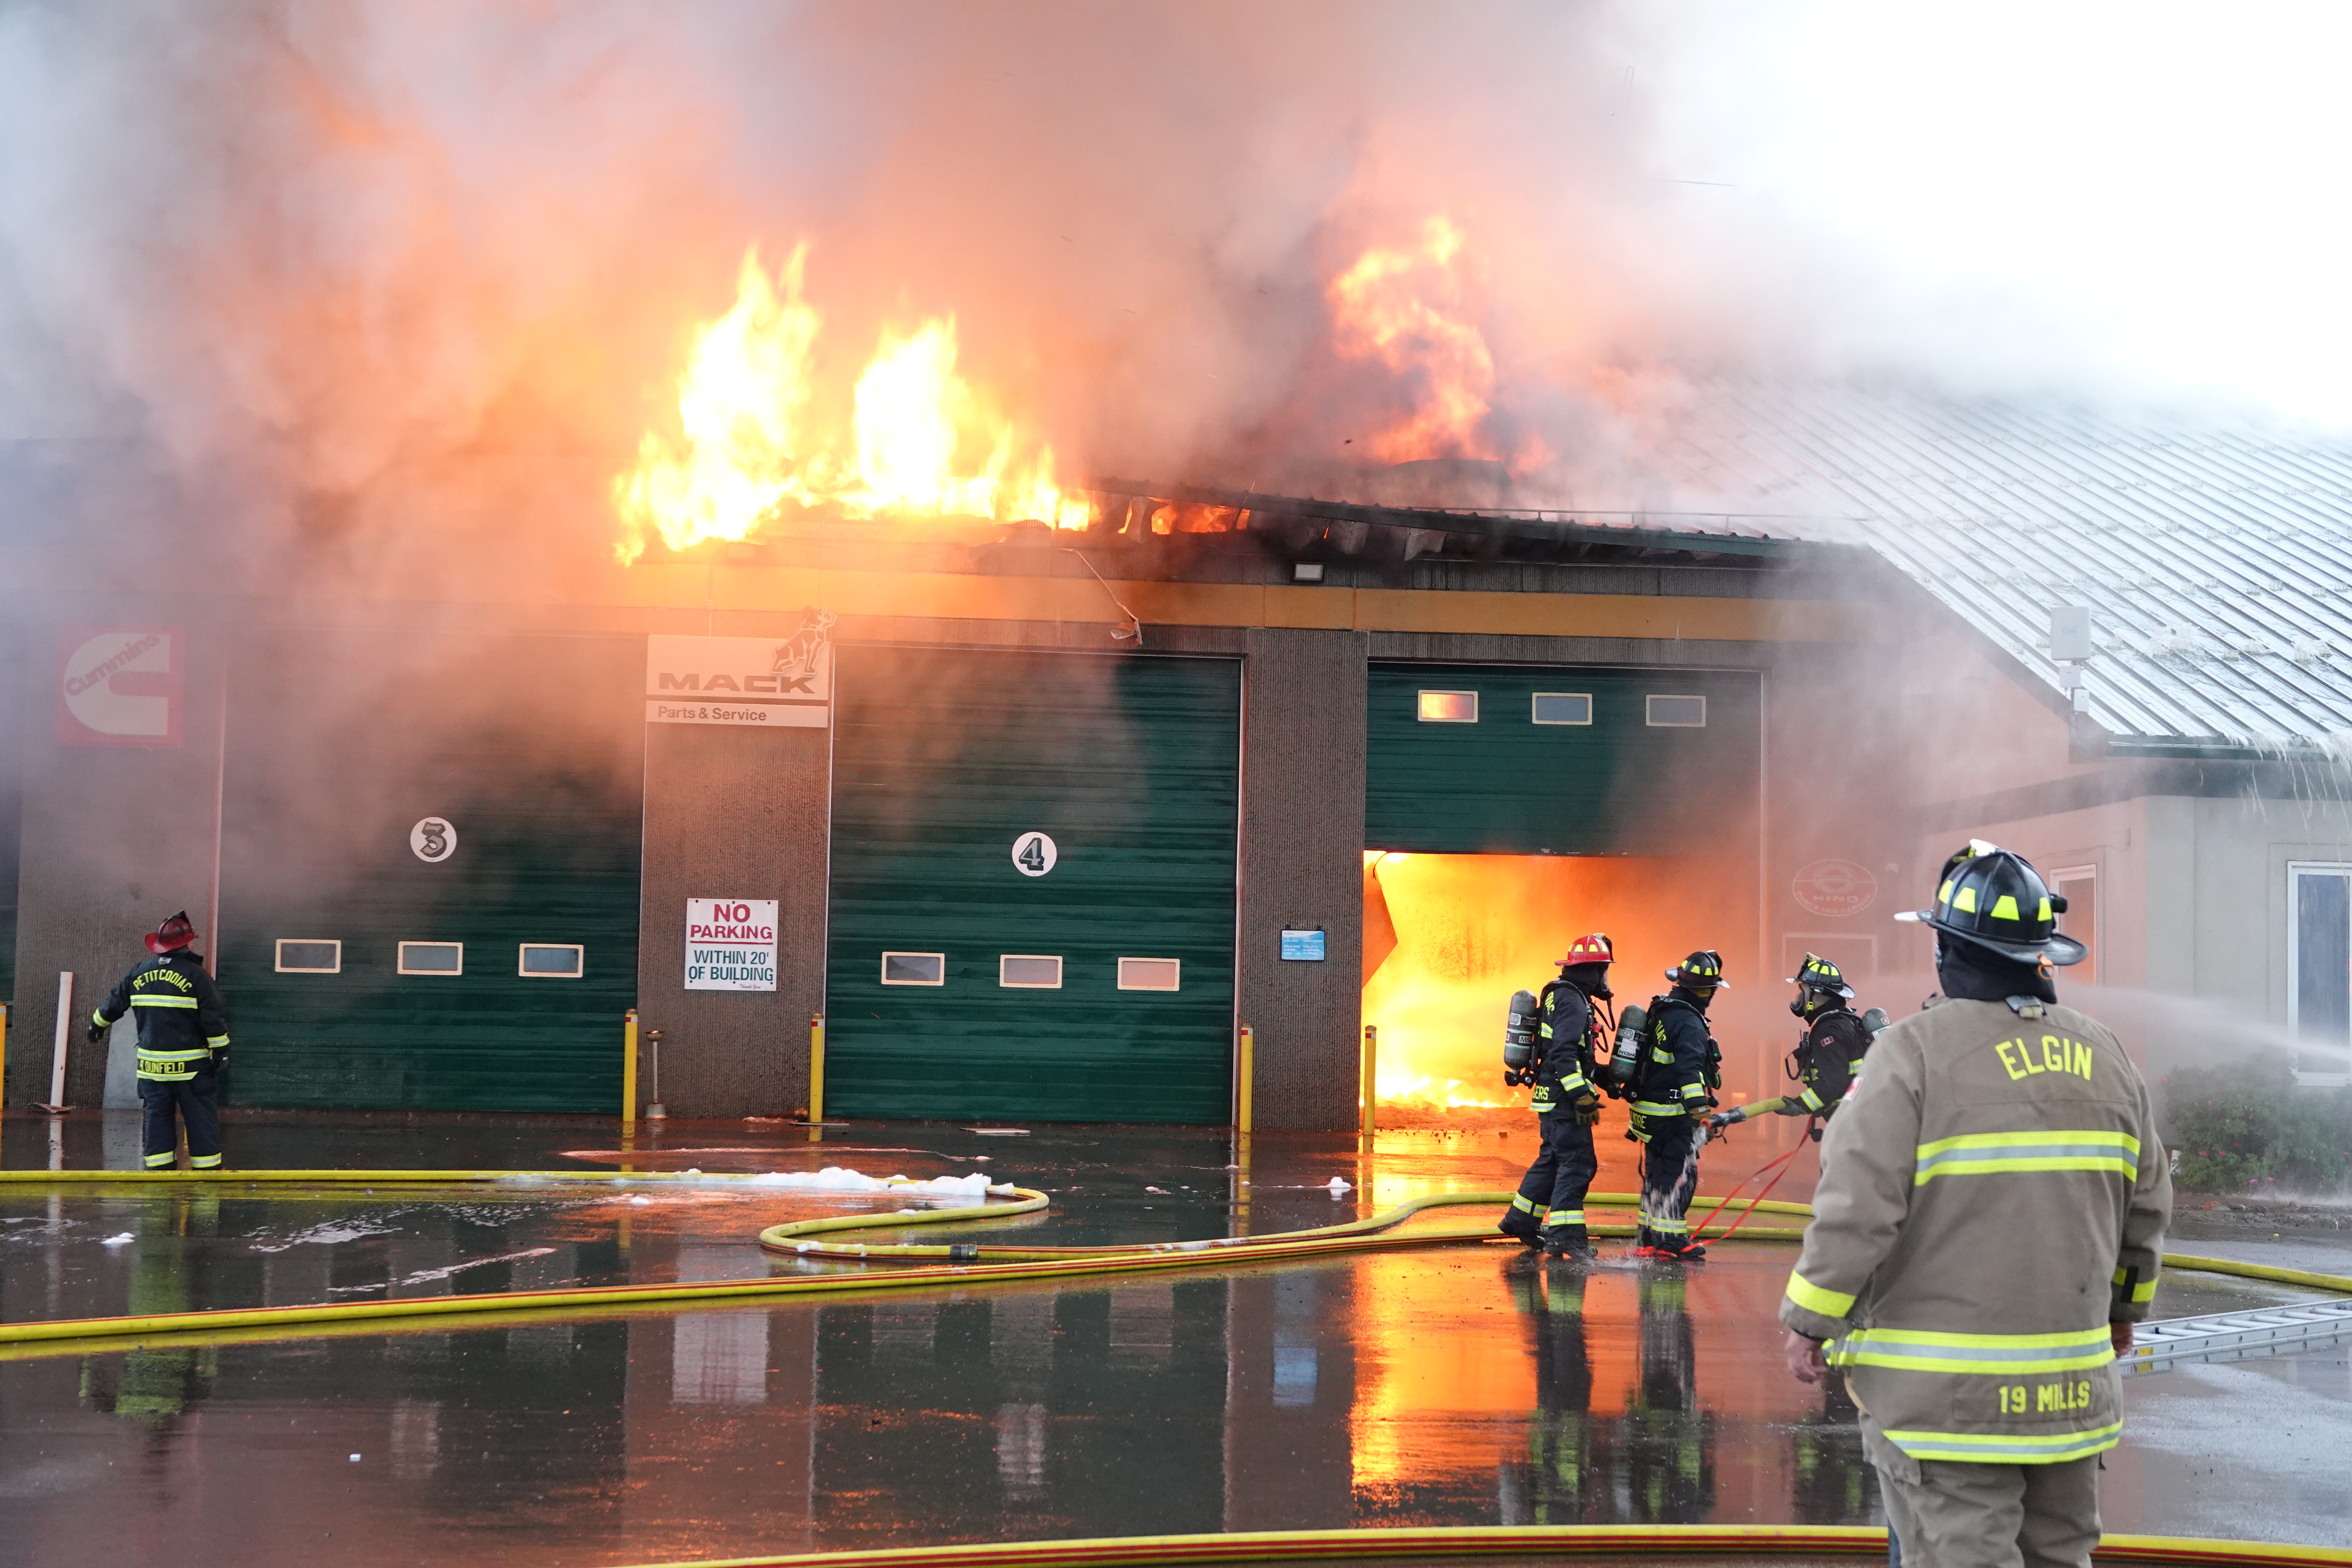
{"x": 1032, "y": 913}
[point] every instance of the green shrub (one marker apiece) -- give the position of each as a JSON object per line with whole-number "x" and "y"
{"x": 2246, "y": 1123}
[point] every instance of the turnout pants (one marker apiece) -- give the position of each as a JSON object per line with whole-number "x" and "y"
{"x": 1952, "y": 1515}
{"x": 193, "y": 1098}
{"x": 1669, "y": 1177}
{"x": 1554, "y": 1187}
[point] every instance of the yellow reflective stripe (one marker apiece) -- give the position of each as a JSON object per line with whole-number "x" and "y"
{"x": 2010, "y": 1139}
{"x": 2113, "y": 1163}
{"x": 155, "y": 1160}
{"x": 1987, "y": 1153}
{"x": 1565, "y": 1216}
{"x": 1813, "y": 1299}
{"x": 100, "y": 1018}
{"x": 173, "y": 1055}
{"x": 1812, "y": 1100}
{"x": 1658, "y": 1108}
{"x": 203, "y": 1162}
{"x": 2143, "y": 1293}
{"x": 1966, "y": 901}
{"x": 216, "y": 1042}
{"x": 2009, "y": 1447}
{"x": 1921, "y": 1349}
{"x": 1665, "y": 1227}
{"x": 2004, "y": 908}
{"x": 1574, "y": 1080}
{"x": 1522, "y": 1204}
{"x": 187, "y": 1002}
{"x": 1694, "y": 1091}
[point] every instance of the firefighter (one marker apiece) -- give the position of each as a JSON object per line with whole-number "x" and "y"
{"x": 1549, "y": 1209}
{"x": 1988, "y": 1228}
{"x": 1829, "y": 1048}
{"x": 1677, "y": 1075}
{"x": 183, "y": 1043}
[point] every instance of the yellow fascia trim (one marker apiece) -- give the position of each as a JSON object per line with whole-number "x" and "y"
{"x": 973, "y": 597}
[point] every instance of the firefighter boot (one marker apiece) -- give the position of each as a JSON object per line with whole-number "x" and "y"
{"x": 1566, "y": 1241}
{"x": 1521, "y": 1225}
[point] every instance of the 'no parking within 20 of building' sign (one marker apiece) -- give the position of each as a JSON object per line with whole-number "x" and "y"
{"x": 730, "y": 944}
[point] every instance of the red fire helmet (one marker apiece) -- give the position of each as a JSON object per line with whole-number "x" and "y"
{"x": 174, "y": 933}
{"x": 1593, "y": 948}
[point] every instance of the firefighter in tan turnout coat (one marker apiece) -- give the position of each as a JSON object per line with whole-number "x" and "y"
{"x": 1987, "y": 1230}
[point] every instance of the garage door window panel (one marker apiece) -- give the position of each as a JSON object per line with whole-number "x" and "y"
{"x": 308, "y": 955}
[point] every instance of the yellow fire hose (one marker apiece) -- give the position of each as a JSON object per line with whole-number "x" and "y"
{"x": 958, "y": 1265}
{"x": 1507, "y": 1541}
{"x": 969, "y": 1265}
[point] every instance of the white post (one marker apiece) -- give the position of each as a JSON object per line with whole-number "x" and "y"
{"x": 65, "y": 1030}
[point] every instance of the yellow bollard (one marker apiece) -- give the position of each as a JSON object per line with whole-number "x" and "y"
{"x": 816, "y": 1078}
{"x": 629, "y": 1070}
{"x": 1243, "y": 1070}
{"x": 1371, "y": 1073}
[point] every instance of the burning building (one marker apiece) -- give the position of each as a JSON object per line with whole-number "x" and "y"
{"x": 849, "y": 700}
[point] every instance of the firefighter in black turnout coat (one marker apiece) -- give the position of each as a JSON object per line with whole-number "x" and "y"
{"x": 1549, "y": 1210}
{"x": 1829, "y": 1051}
{"x": 183, "y": 1043}
{"x": 1677, "y": 1076}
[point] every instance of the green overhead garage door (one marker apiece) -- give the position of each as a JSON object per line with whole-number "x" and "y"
{"x": 372, "y": 961}
{"x": 1031, "y": 910}
{"x": 1561, "y": 760}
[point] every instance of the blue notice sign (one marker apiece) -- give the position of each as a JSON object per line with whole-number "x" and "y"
{"x": 1302, "y": 946}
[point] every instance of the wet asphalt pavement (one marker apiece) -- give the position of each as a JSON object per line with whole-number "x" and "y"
{"x": 1455, "y": 1385}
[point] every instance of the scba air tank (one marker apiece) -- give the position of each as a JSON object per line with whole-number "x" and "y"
{"x": 1628, "y": 1049}
{"x": 1520, "y": 1033}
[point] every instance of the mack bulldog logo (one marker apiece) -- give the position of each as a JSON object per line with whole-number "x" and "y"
{"x": 799, "y": 657}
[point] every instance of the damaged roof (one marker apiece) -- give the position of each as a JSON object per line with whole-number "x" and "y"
{"x": 2216, "y": 557}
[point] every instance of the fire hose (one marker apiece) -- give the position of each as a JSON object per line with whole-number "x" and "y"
{"x": 935, "y": 1264}
{"x": 1514, "y": 1543}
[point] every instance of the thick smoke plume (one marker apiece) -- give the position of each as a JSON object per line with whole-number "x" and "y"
{"x": 399, "y": 288}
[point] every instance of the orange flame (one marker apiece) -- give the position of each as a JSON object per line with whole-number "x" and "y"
{"x": 1402, "y": 307}
{"x": 921, "y": 439}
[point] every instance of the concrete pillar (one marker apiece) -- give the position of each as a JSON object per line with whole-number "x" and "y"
{"x": 733, "y": 813}
{"x": 114, "y": 838}
{"x": 1302, "y": 835}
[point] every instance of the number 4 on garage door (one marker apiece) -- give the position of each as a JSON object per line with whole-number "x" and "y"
{"x": 1034, "y": 854}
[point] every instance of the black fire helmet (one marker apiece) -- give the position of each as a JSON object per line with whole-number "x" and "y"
{"x": 1995, "y": 898}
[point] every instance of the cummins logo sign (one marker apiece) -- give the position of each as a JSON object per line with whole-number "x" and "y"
{"x": 118, "y": 686}
{"x": 784, "y": 681}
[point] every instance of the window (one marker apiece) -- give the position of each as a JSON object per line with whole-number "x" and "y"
{"x": 1563, "y": 708}
{"x": 2079, "y": 886}
{"x": 2319, "y": 971}
{"x": 1677, "y": 713}
{"x": 307, "y": 955}
{"x": 914, "y": 969}
{"x": 1449, "y": 708}
{"x": 1150, "y": 974}
{"x": 1029, "y": 972}
{"x": 433, "y": 958}
{"x": 551, "y": 960}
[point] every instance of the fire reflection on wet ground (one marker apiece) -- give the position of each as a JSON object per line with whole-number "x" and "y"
{"x": 1452, "y": 1387}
